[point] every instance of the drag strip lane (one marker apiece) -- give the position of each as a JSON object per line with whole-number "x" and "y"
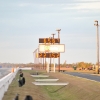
{"x": 82, "y": 75}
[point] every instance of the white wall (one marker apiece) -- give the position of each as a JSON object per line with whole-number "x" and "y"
{"x": 26, "y": 68}
{"x": 6, "y": 81}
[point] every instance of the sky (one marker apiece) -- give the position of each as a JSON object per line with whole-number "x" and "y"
{"x": 23, "y": 22}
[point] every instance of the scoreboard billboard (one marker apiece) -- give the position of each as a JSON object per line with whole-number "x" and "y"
{"x": 51, "y": 48}
{"x": 49, "y": 40}
{"x": 48, "y": 55}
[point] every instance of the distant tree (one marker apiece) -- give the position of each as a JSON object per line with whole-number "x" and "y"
{"x": 84, "y": 65}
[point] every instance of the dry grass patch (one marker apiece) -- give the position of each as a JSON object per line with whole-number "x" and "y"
{"x": 77, "y": 89}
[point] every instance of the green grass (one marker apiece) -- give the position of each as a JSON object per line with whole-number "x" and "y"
{"x": 77, "y": 89}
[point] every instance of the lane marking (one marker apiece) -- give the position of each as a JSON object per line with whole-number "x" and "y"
{"x": 41, "y": 83}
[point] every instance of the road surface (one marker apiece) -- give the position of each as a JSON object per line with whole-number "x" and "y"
{"x": 83, "y": 75}
{"x": 4, "y": 71}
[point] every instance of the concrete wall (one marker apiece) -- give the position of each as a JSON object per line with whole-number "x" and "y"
{"x": 26, "y": 68}
{"x": 6, "y": 81}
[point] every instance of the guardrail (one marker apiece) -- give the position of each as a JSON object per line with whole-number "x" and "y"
{"x": 6, "y": 81}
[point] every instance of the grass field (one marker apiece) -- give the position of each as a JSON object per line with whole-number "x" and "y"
{"x": 77, "y": 89}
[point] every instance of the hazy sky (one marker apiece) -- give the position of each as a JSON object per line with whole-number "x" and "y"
{"x": 23, "y": 22}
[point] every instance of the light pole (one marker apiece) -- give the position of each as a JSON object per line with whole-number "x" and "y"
{"x": 96, "y": 24}
{"x": 59, "y": 43}
{"x": 53, "y": 35}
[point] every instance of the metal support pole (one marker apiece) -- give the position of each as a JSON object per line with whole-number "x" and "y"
{"x": 48, "y": 66}
{"x": 59, "y": 52}
{"x": 53, "y": 36}
{"x": 97, "y": 46}
{"x": 43, "y": 63}
{"x": 50, "y": 57}
{"x": 53, "y": 43}
{"x": 54, "y": 65}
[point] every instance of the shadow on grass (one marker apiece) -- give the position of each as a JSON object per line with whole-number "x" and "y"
{"x": 57, "y": 89}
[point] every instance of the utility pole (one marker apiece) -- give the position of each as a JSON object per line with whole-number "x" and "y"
{"x": 96, "y": 24}
{"x": 59, "y": 52}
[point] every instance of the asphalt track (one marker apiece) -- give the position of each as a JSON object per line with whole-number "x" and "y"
{"x": 4, "y": 71}
{"x": 82, "y": 75}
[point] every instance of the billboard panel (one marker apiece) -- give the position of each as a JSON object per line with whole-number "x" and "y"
{"x": 51, "y": 48}
{"x": 48, "y": 55}
{"x": 49, "y": 40}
